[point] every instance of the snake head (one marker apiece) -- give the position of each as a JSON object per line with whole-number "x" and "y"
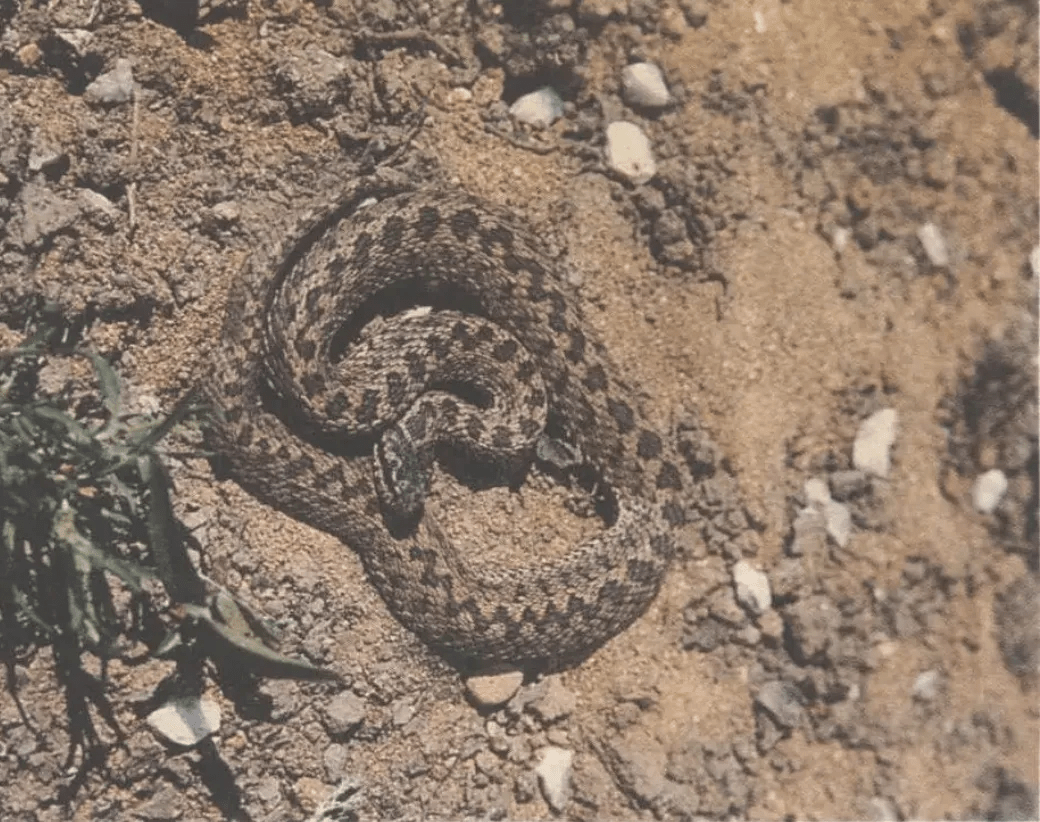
{"x": 402, "y": 474}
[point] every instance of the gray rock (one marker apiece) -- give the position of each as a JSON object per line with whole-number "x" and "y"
{"x": 313, "y": 82}
{"x": 629, "y": 152}
{"x": 752, "y": 588}
{"x": 838, "y": 520}
{"x": 494, "y": 690}
{"x": 539, "y": 109}
{"x": 642, "y": 84}
{"x": 44, "y": 214}
{"x": 810, "y": 533}
{"x": 846, "y": 485}
{"x": 988, "y": 490}
{"x": 555, "y": 702}
{"x": 871, "y": 449}
{"x": 93, "y": 202}
{"x": 811, "y": 623}
{"x": 335, "y": 761}
{"x": 783, "y": 702}
{"x": 638, "y": 763}
{"x": 43, "y": 156}
{"x": 112, "y": 87}
{"x": 1018, "y": 630}
{"x": 554, "y": 771}
{"x": 344, "y": 713}
{"x": 881, "y": 809}
{"x": 186, "y": 720}
{"x": 162, "y": 807}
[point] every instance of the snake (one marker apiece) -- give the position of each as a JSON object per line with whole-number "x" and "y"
{"x": 394, "y": 325}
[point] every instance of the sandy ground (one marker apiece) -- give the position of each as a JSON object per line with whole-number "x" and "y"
{"x": 770, "y": 279}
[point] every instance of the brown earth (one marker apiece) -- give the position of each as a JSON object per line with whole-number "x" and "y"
{"x": 769, "y": 279}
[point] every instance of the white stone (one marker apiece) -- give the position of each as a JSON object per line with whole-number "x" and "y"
{"x": 840, "y": 239}
{"x": 554, "y": 775}
{"x": 642, "y": 84}
{"x": 839, "y": 522}
{"x": 186, "y": 720}
{"x": 115, "y": 86}
{"x": 871, "y": 450}
{"x": 752, "y": 588}
{"x": 934, "y": 245}
{"x": 988, "y": 490}
{"x": 629, "y": 152}
{"x": 1034, "y": 261}
{"x": 816, "y": 491}
{"x": 494, "y": 690}
{"x": 926, "y": 686}
{"x": 539, "y": 109}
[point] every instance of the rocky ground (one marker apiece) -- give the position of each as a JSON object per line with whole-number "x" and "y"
{"x": 820, "y": 264}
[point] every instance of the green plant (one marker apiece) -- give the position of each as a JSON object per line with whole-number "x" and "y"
{"x": 92, "y": 558}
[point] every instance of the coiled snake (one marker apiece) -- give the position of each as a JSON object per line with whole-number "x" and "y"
{"x": 334, "y": 421}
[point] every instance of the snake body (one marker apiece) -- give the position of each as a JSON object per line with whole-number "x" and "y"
{"x": 330, "y": 418}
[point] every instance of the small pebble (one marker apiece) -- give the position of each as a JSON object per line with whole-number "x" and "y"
{"x": 115, "y": 86}
{"x": 926, "y": 686}
{"x": 782, "y": 701}
{"x": 771, "y": 625}
{"x": 555, "y": 702}
{"x": 494, "y": 690}
{"x": 988, "y": 490}
{"x": 226, "y": 212}
{"x": 934, "y": 245}
{"x": 539, "y": 109}
{"x": 344, "y": 713}
{"x": 752, "y": 588}
{"x": 838, "y": 519}
{"x": 871, "y": 450}
{"x": 816, "y": 491}
{"x": 881, "y": 809}
{"x": 642, "y": 84}
{"x": 629, "y": 152}
{"x": 44, "y": 156}
{"x": 810, "y": 533}
{"x": 94, "y": 202}
{"x": 1034, "y": 261}
{"x": 554, "y": 775}
{"x": 186, "y": 720}
{"x": 840, "y": 239}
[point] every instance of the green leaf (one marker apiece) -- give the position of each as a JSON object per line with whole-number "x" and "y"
{"x": 230, "y": 630}
{"x": 168, "y": 551}
{"x": 108, "y": 380}
{"x": 185, "y": 407}
{"x": 65, "y": 532}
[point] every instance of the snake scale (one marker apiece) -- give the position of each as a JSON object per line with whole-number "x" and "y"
{"x": 330, "y": 413}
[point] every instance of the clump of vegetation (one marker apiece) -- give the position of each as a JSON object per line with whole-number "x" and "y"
{"x": 92, "y": 558}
